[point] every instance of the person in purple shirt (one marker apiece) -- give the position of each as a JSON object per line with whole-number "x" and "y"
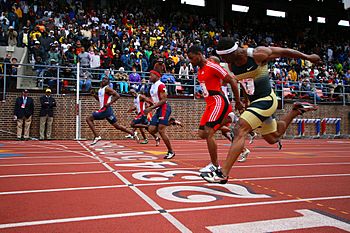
{"x": 134, "y": 79}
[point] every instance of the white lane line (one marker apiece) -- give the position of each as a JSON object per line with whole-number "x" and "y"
{"x": 42, "y": 157}
{"x": 294, "y": 177}
{"x": 257, "y": 204}
{"x": 52, "y": 174}
{"x": 46, "y": 164}
{"x": 52, "y": 150}
{"x": 242, "y": 166}
{"x": 63, "y": 189}
{"x": 76, "y": 219}
{"x": 293, "y": 165}
{"x": 159, "y": 183}
{"x": 152, "y": 203}
{"x": 144, "y": 213}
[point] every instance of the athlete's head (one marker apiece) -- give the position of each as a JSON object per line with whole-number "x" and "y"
{"x": 228, "y": 49}
{"x": 154, "y": 76}
{"x": 214, "y": 59}
{"x": 104, "y": 81}
{"x": 133, "y": 92}
{"x": 195, "y": 55}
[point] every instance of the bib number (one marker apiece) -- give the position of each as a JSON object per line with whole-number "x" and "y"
{"x": 248, "y": 85}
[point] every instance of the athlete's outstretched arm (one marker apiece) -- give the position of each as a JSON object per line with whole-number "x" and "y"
{"x": 147, "y": 100}
{"x": 131, "y": 109}
{"x": 263, "y": 54}
{"x": 163, "y": 98}
{"x": 92, "y": 92}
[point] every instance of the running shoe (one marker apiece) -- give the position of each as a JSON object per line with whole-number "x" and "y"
{"x": 169, "y": 155}
{"x": 279, "y": 145}
{"x": 303, "y": 107}
{"x": 129, "y": 136}
{"x": 252, "y": 136}
{"x": 96, "y": 139}
{"x": 157, "y": 141}
{"x": 176, "y": 122}
{"x": 243, "y": 156}
{"x": 136, "y": 137}
{"x": 173, "y": 121}
{"x": 209, "y": 168}
{"x": 144, "y": 141}
{"x": 214, "y": 177}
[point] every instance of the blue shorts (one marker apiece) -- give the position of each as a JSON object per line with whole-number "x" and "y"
{"x": 106, "y": 114}
{"x": 141, "y": 119}
{"x": 162, "y": 115}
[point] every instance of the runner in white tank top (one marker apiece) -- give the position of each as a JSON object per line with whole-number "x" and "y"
{"x": 141, "y": 121}
{"x": 160, "y": 119}
{"x": 106, "y": 97}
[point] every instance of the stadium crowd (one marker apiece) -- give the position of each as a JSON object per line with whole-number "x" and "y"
{"x": 126, "y": 41}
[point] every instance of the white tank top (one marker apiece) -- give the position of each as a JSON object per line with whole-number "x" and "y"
{"x": 155, "y": 91}
{"x": 139, "y": 105}
{"x": 103, "y": 97}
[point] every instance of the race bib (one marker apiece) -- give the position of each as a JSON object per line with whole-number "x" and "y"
{"x": 205, "y": 90}
{"x": 248, "y": 85}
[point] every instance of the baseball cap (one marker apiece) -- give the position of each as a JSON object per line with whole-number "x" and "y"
{"x": 25, "y": 90}
{"x": 48, "y": 90}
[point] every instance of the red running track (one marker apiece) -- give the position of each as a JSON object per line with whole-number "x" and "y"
{"x": 122, "y": 186}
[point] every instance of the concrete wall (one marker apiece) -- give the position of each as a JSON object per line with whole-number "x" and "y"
{"x": 186, "y": 110}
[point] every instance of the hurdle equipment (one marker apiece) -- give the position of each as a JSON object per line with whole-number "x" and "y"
{"x": 330, "y": 121}
{"x": 301, "y": 126}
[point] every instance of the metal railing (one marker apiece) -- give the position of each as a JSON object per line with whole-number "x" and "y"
{"x": 63, "y": 79}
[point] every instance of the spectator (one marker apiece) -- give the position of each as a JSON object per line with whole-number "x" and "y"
{"x": 84, "y": 58}
{"x": 143, "y": 65}
{"x": 3, "y": 37}
{"x": 159, "y": 66}
{"x": 85, "y": 81}
{"x": 122, "y": 79}
{"x": 134, "y": 79}
{"x": 46, "y": 114}
{"x": 95, "y": 61}
{"x": 24, "y": 108}
{"x": 13, "y": 74}
{"x": 169, "y": 81}
{"x": 12, "y": 36}
{"x": 108, "y": 74}
{"x": 23, "y": 37}
{"x": 183, "y": 72}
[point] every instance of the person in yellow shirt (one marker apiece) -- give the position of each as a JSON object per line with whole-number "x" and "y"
{"x": 293, "y": 75}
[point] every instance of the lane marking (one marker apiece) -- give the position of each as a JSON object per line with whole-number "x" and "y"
{"x": 145, "y": 213}
{"x": 77, "y": 219}
{"x": 45, "y": 164}
{"x": 53, "y": 174}
{"x": 153, "y": 204}
{"x": 44, "y": 157}
{"x": 62, "y": 189}
{"x": 119, "y": 186}
{"x": 256, "y": 204}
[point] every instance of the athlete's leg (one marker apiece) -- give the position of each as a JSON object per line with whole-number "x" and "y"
{"x": 282, "y": 125}
{"x": 212, "y": 146}
{"x": 162, "y": 129}
{"x": 122, "y": 128}
{"x": 143, "y": 133}
{"x": 153, "y": 129}
{"x": 90, "y": 122}
{"x": 241, "y": 129}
